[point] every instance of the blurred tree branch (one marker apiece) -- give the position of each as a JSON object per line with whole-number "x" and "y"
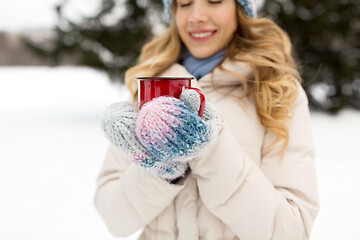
{"x": 326, "y": 38}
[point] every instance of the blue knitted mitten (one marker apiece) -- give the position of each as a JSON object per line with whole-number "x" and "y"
{"x": 170, "y": 128}
{"x": 119, "y": 126}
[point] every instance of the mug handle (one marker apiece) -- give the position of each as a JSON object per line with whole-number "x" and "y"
{"x": 202, "y": 100}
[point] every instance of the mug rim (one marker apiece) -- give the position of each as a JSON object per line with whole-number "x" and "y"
{"x": 165, "y": 78}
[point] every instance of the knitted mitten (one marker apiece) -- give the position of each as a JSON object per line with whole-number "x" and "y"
{"x": 192, "y": 100}
{"x": 170, "y": 128}
{"x": 119, "y": 126}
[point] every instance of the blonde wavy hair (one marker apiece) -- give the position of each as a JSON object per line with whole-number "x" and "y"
{"x": 259, "y": 42}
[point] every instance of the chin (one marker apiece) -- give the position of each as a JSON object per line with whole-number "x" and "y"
{"x": 201, "y": 54}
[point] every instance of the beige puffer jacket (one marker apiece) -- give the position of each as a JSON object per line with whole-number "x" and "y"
{"x": 235, "y": 190}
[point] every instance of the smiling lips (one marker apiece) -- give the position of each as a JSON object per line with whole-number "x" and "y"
{"x": 201, "y": 36}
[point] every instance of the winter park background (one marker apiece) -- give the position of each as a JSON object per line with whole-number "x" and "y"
{"x": 52, "y": 147}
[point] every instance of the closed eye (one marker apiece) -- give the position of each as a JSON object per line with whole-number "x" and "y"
{"x": 215, "y": 2}
{"x": 185, "y": 4}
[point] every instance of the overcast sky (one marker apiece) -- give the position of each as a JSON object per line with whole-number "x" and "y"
{"x": 18, "y": 15}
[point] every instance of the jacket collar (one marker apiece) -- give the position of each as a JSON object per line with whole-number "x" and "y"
{"x": 221, "y": 77}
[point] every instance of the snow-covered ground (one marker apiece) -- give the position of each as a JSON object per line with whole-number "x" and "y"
{"x": 51, "y": 150}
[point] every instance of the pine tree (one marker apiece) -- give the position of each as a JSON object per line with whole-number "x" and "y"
{"x": 326, "y": 37}
{"x": 111, "y": 40}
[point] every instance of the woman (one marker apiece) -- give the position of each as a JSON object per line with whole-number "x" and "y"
{"x": 255, "y": 177}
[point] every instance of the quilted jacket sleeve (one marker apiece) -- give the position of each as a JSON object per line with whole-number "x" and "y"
{"x": 128, "y": 197}
{"x": 273, "y": 200}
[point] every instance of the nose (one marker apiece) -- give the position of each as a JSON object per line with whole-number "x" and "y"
{"x": 198, "y": 14}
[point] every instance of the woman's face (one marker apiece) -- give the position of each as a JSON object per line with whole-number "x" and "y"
{"x": 205, "y": 26}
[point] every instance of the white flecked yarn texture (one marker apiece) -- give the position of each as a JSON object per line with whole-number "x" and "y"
{"x": 119, "y": 123}
{"x": 119, "y": 126}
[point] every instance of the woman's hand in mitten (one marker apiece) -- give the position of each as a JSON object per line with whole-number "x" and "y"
{"x": 119, "y": 126}
{"x": 170, "y": 128}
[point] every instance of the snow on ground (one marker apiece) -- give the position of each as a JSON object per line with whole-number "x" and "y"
{"x": 52, "y": 147}
{"x": 338, "y": 165}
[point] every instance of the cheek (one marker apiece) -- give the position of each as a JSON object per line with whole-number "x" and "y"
{"x": 179, "y": 20}
{"x": 229, "y": 27}
{"x": 227, "y": 19}
{"x": 180, "y": 25}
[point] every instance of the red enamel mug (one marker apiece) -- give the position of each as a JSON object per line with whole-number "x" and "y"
{"x": 152, "y": 87}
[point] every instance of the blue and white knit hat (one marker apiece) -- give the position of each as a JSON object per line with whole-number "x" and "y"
{"x": 248, "y": 5}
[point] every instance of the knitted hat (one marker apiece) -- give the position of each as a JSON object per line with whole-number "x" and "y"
{"x": 248, "y": 5}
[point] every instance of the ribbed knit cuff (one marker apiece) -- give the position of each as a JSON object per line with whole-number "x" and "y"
{"x": 177, "y": 180}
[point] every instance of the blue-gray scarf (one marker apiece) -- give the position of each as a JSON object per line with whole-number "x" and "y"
{"x": 199, "y": 67}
